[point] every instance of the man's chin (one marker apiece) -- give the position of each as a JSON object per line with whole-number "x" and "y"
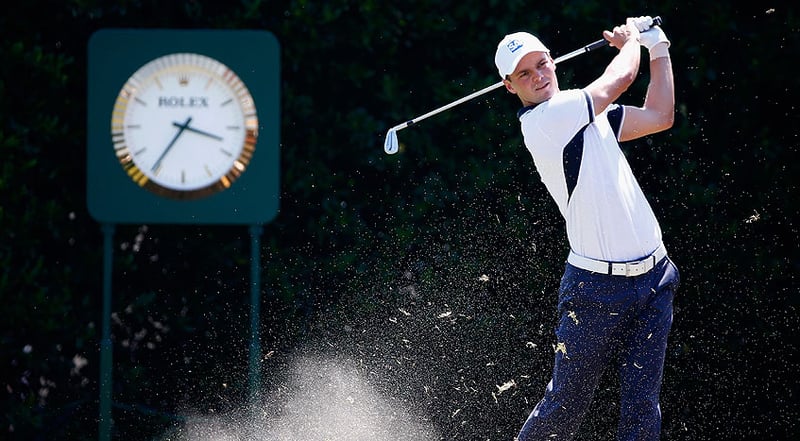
{"x": 546, "y": 94}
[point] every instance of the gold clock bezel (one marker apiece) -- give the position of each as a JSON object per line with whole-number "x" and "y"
{"x": 184, "y": 61}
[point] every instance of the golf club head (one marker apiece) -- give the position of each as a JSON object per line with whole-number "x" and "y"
{"x": 390, "y": 146}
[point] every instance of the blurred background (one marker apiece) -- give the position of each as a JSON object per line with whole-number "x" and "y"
{"x": 409, "y": 296}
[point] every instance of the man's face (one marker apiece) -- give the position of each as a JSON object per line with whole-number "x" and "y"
{"x": 534, "y": 79}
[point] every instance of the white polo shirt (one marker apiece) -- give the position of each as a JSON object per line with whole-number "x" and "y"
{"x": 580, "y": 162}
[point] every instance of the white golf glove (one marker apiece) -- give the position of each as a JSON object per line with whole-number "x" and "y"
{"x": 643, "y": 23}
{"x": 652, "y": 37}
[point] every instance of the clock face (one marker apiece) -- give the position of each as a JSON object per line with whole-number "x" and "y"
{"x": 184, "y": 126}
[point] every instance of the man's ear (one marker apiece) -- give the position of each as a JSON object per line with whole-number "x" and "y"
{"x": 509, "y": 87}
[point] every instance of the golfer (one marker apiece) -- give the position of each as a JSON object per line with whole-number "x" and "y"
{"x": 615, "y": 296}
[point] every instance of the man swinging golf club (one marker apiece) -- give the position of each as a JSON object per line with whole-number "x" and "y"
{"x": 616, "y": 293}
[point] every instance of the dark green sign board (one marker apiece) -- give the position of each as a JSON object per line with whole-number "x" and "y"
{"x": 183, "y": 126}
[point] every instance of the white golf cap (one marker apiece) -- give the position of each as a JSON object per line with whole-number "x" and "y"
{"x": 512, "y": 48}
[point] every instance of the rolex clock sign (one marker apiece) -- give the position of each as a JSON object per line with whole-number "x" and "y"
{"x": 183, "y": 126}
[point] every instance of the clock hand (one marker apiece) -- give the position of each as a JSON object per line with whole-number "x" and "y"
{"x": 198, "y": 131}
{"x": 182, "y": 127}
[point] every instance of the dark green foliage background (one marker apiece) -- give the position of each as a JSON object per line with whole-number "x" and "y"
{"x": 370, "y": 252}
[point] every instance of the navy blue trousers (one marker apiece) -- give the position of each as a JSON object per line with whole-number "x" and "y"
{"x": 608, "y": 321}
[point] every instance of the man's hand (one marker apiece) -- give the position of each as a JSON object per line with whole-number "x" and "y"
{"x": 643, "y": 23}
{"x": 653, "y": 37}
{"x": 622, "y": 34}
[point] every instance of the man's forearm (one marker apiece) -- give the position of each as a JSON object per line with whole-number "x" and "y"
{"x": 661, "y": 90}
{"x": 626, "y": 62}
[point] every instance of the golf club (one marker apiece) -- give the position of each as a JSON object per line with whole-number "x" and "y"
{"x": 391, "y": 145}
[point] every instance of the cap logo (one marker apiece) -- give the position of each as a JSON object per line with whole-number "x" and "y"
{"x": 514, "y": 45}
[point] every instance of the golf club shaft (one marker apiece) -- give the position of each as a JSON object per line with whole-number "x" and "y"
{"x": 391, "y": 136}
{"x": 596, "y": 45}
{"x": 589, "y": 47}
{"x": 445, "y": 107}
